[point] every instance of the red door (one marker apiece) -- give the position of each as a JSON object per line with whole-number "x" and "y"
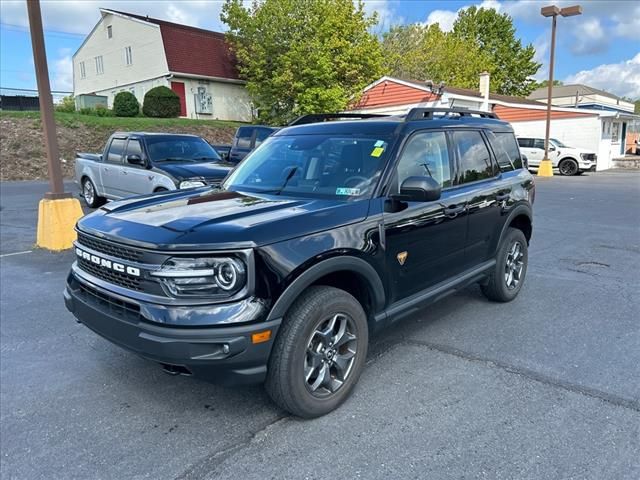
{"x": 178, "y": 87}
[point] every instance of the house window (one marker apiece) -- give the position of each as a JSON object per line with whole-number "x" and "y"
{"x": 83, "y": 70}
{"x": 615, "y": 132}
{"x": 99, "y": 65}
{"x": 109, "y": 32}
{"x": 128, "y": 58}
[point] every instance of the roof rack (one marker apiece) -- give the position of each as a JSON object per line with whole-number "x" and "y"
{"x": 428, "y": 113}
{"x": 325, "y": 117}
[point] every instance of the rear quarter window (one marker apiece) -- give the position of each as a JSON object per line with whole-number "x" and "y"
{"x": 506, "y": 149}
{"x": 243, "y": 137}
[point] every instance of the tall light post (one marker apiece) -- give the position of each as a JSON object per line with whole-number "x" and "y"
{"x": 546, "y": 167}
{"x": 57, "y": 211}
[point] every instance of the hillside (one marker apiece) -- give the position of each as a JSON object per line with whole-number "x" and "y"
{"x": 22, "y": 155}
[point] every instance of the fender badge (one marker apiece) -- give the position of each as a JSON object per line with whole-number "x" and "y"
{"x": 402, "y": 257}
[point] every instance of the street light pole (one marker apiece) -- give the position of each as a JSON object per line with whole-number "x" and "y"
{"x": 58, "y": 211}
{"x": 46, "y": 102}
{"x": 546, "y": 166}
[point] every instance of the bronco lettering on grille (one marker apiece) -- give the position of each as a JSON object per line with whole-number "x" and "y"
{"x": 103, "y": 262}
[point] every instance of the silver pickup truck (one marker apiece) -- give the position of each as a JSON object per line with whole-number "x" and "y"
{"x": 143, "y": 163}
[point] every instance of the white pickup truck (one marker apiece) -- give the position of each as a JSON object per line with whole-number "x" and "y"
{"x": 143, "y": 163}
{"x": 568, "y": 160}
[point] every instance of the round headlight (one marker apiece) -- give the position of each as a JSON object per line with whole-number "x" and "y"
{"x": 227, "y": 275}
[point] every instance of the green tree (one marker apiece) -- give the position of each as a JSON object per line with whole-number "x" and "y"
{"x": 427, "y": 53}
{"x": 302, "y": 56}
{"x": 494, "y": 34}
{"x": 636, "y": 106}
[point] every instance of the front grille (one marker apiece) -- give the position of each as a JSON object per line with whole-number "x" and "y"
{"x": 111, "y": 276}
{"x": 108, "y": 303}
{"x": 109, "y": 248}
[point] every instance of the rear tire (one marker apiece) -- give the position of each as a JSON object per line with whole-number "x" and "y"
{"x": 508, "y": 276}
{"x": 568, "y": 167}
{"x": 90, "y": 195}
{"x": 319, "y": 352}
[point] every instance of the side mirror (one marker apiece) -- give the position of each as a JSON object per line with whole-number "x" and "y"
{"x": 525, "y": 161}
{"x": 419, "y": 189}
{"x": 552, "y": 148}
{"x": 136, "y": 160}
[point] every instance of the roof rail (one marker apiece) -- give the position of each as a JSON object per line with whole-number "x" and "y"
{"x": 325, "y": 117}
{"x": 428, "y": 113}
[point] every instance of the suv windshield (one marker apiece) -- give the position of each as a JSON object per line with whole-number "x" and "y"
{"x": 323, "y": 166}
{"x": 177, "y": 148}
{"x": 558, "y": 143}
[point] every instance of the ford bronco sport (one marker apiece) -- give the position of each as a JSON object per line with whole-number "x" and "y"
{"x": 322, "y": 235}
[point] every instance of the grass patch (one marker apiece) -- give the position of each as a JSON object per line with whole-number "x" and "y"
{"x": 73, "y": 120}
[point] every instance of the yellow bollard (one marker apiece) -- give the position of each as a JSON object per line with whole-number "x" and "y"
{"x": 56, "y": 222}
{"x": 546, "y": 168}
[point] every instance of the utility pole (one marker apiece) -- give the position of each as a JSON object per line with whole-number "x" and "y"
{"x": 58, "y": 211}
{"x": 546, "y": 166}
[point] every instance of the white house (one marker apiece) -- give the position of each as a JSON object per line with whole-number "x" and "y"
{"x": 602, "y": 131}
{"x": 127, "y": 52}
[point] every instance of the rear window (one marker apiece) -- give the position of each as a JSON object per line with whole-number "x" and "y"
{"x": 506, "y": 150}
{"x": 243, "y": 137}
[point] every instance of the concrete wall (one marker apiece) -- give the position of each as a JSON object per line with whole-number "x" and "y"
{"x": 145, "y": 40}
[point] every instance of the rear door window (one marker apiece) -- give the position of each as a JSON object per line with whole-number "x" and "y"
{"x": 525, "y": 142}
{"x": 474, "y": 157}
{"x": 116, "y": 149}
{"x": 262, "y": 134}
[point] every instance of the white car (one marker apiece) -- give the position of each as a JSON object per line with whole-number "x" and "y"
{"x": 568, "y": 160}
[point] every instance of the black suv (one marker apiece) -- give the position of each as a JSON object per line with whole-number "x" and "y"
{"x": 322, "y": 235}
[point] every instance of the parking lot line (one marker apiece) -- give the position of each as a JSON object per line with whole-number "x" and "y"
{"x": 15, "y": 253}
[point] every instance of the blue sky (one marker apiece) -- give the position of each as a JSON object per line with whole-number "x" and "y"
{"x": 600, "y": 48}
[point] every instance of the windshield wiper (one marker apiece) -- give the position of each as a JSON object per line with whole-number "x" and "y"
{"x": 278, "y": 191}
{"x": 175, "y": 159}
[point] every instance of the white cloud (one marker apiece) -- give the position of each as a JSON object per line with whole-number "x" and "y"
{"x": 386, "y": 14}
{"x": 62, "y": 71}
{"x": 541, "y": 44}
{"x": 446, "y": 18}
{"x": 589, "y": 38}
{"x": 627, "y": 24}
{"x": 622, "y": 79}
{"x": 79, "y": 16}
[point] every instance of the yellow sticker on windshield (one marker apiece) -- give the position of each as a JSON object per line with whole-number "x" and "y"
{"x": 377, "y": 151}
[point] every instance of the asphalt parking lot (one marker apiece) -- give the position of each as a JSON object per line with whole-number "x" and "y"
{"x": 547, "y": 386}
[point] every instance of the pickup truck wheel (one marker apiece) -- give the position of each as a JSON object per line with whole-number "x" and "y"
{"x": 568, "y": 167}
{"x": 507, "y": 278}
{"x": 319, "y": 352}
{"x": 89, "y": 194}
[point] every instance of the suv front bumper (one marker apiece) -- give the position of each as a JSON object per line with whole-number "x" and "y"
{"x": 220, "y": 354}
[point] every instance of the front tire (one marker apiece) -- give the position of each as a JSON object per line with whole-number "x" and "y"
{"x": 568, "y": 167}
{"x": 319, "y": 352}
{"x": 508, "y": 276}
{"x": 90, "y": 195}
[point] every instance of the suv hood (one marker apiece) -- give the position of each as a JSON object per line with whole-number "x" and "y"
{"x": 182, "y": 170}
{"x": 206, "y": 218}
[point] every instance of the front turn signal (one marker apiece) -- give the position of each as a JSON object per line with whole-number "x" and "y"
{"x": 261, "y": 337}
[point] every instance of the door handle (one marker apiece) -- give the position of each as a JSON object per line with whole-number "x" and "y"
{"x": 453, "y": 210}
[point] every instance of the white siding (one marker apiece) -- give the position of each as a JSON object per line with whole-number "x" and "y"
{"x": 230, "y": 101}
{"x": 576, "y": 132}
{"x": 139, "y": 89}
{"x": 147, "y": 52}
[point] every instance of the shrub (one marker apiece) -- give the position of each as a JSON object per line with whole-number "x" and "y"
{"x": 125, "y": 104}
{"x": 67, "y": 105}
{"x": 102, "y": 111}
{"x": 86, "y": 111}
{"x": 161, "y": 102}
